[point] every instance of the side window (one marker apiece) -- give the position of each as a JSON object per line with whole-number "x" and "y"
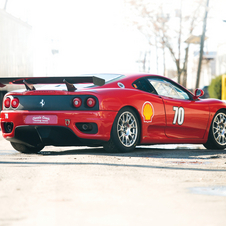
{"x": 144, "y": 85}
{"x": 165, "y": 88}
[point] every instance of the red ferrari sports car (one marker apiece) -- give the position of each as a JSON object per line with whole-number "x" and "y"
{"x": 115, "y": 111}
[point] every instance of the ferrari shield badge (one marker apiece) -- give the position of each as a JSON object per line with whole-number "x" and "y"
{"x": 67, "y": 122}
{"x": 147, "y": 111}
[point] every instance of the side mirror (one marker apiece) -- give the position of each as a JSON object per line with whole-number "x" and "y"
{"x": 198, "y": 93}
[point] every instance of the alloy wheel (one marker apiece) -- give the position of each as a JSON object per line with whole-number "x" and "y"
{"x": 127, "y": 129}
{"x": 219, "y": 128}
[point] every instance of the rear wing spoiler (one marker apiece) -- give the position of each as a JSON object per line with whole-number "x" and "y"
{"x": 69, "y": 81}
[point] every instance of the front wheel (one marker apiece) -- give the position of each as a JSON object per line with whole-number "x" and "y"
{"x": 25, "y": 149}
{"x": 217, "y": 132}
{"x": 125, "y": 133}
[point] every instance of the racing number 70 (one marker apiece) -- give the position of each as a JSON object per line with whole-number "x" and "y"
{"x": 179, "y": 115}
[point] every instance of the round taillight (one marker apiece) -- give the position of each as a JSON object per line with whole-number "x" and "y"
{"x": 15, "y": 102}
{"x": 7, "y": 102}
{"x": 91, "y": 102}
{"x": 77, "y": 102}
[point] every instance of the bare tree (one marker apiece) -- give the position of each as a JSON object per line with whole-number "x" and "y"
{"x": 158, "y": 24}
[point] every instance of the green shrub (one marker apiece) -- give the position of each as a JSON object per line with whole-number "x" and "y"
{"x": 215, "y": 87}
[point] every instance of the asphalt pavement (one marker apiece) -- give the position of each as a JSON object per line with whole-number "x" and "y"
{"x": 154, "y": 185}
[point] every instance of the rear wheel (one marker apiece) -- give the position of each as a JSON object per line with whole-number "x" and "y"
{"x": 125, "y": 132}
{"x": 217, "y": 133}
{"x": 26, "y": 149}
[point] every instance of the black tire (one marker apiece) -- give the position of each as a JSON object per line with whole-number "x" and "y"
{"x": 26, "y": 149}
{"x": 217, "y": 132}
{"x": 125, "y": 133}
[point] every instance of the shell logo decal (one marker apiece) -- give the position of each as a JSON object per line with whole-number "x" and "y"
{"x": 147, "y": 111}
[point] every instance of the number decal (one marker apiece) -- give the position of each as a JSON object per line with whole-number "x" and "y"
{"x": 179, "y": 115}
{"x": 176, "y": 114}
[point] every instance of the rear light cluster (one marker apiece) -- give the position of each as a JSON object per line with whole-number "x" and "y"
{"x": 14, "y": 102}
{"x": 77, "y": 102}
{"x": 89, "y": 102}
{"x": 7, "y": 102}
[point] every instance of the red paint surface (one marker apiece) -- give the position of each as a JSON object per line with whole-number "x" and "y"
{"x": 198, "y": 114}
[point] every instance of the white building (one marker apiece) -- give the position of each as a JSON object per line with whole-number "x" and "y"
{"x": 208, "y": 69}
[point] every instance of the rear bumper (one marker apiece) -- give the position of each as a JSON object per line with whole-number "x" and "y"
{"x": 62, "y": 131}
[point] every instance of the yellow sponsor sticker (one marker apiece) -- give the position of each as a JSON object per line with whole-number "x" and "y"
{"x": 148, "y": 111}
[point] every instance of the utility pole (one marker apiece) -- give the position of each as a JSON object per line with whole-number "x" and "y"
{"x": 202, "y": 44}
{"x": 6, "y": 1}
{"x": 179, "y": 42}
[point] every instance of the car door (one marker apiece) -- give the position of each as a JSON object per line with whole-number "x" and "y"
{"x": 185, "y": 118}
{"x": 152, "y": 111}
